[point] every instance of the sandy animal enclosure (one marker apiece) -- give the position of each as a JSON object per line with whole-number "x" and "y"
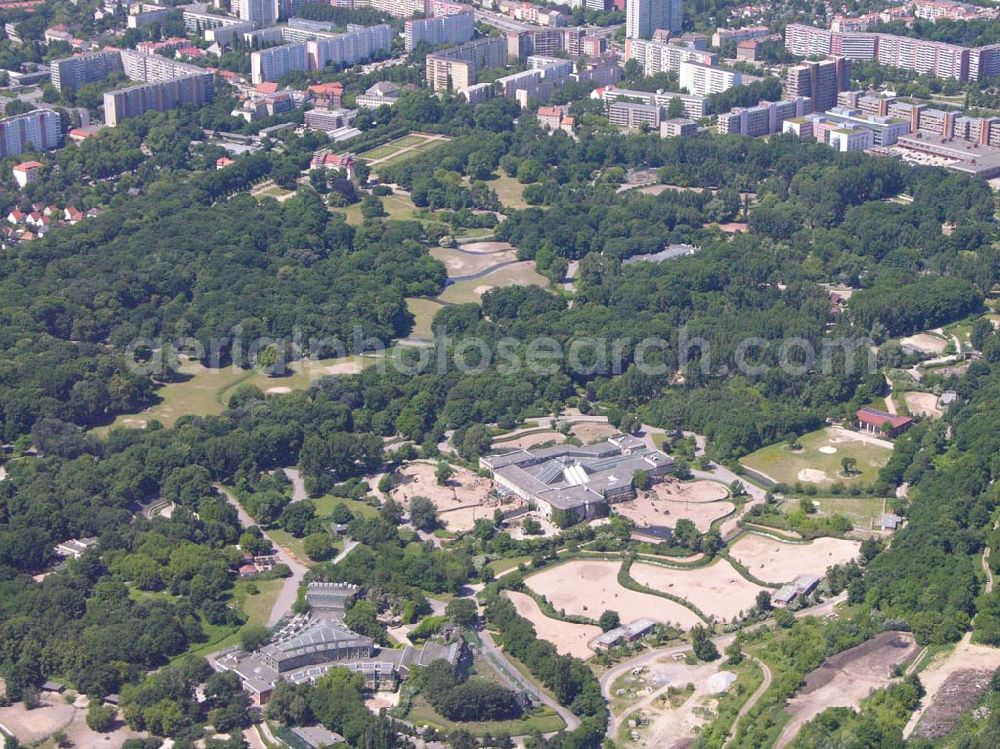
{"x": 569, "y": 639}
{"x": 779, "y": 562}
{"x": 923, "y": 404}
{"x": 464, "y": 500}
{"x": 690, "y": 491}
{"x": 648, "y": 510}
{"x": 590, "y": 588}
{"x": 718, "y": 589}
{"x": 926, "y": 342}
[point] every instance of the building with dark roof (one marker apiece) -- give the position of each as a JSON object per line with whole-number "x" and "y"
{"x": 574, "y": 483}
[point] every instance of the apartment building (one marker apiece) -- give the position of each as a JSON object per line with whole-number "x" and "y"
{"x": 703, "y": 80}
{"x": 273, "y": 63}
{"x": 159, "y": 96}
{"x": 456, "y": 28}
{"x": 695, "y": 107}
{"x": 197, "y": 19}
{"x": 322, "y": 118}
{"x": 70, "y": 73}
{"x": 632, "y": 115}
{"x": 726, "y": 36}
{"x": 925, "y": 57}
{"x": 764, "y": 119}
{"x": 820, "y": 80}
{"x": 456, "y": 68}
{"x": 659, "y": 57}
{"x": 263, "y": 12}
{"x": 39, "y": 130}
{"x": 678, "y": 127}
{"x": 402, "y": 8}
{"x": 643, "y": 17}
{"x": 935, "y": 10}
{"x": 847, "y": 139}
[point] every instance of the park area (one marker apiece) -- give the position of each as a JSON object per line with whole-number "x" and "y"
{"x": 589, "y": 588}
{"x": 819, "y": 460}
{"x": 402, "y": 148}
{"x": 779, "y": 562}
{"x": 717, "y": 589}
{"x": 463, "y": 500}
{"x": 461, "y": 262}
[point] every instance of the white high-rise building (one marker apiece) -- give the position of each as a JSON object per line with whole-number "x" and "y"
{"x": 643, "y": 17}
{"x": 263, "y": 12}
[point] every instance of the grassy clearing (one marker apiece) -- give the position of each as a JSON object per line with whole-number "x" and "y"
{"x": 398, "y": 208}
{"x": 400, "y": 149}
{"x": 502, "y": 565}
{"x": 863, "y": 512}
{"x": 423, "y": 313}
{"x": 325, "y": 505}
{"x": 205, "y": 392}
{"x": 790, "y": 466}
{"x": 257, "y": 607}
{"x": 509, "y": 191}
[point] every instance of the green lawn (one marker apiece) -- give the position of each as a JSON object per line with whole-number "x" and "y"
{"x": 502, "y": 565}
{"x": 325, "y": 505}
{"x": 415, "y": 142}
{"x": 509, "y": 191}
{"x": 257, "y": 607}
{"x": 398, "y": 208}
{"x": 787, "y": 466}
{"x": 423, "y": 315}
{"x": 863, "y": 512}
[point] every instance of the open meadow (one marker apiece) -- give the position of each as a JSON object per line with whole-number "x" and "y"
{"x": 819, "y": 460}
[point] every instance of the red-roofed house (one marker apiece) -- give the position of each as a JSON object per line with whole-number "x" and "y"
{"x": 883, "y": 424}
{"x": 26, "y": 173}
{"x": 332, "y": 92}
{"x": 72, "y": 215}
{"x": 223, "y": 161}
{"x": 327, "y": 160}
{"x": 267, "y": 87}
{"x": 15, "y": 216}
{"x": 248, "y": 570}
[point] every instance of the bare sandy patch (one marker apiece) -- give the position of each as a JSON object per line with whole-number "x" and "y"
{"x": 667, "y": 726}
{"x": 589, "y": 588}
{"x": 925, "y": 342}
{"x": 589, "y": 431}
{"x": 718, "y": 589}
{"x": 279, "y": 390}
{"x": 463, "y": 501}
{"x": 812, "y": 475}
{"x": 779, "y": 562}
{"x": 462, "y": 262}
{"x": 648, "y": 510}
{"x": 480, "y": 290}
{"x": 923, "y": 404}
{"x": 847, "y": 678}
{"x": 487, "y": 247}
{"x": 672, "y": 490}
{"x": 828, "y": 449}
{"x": 569, "y": 639}
{"x": 530, "y": 440}
{"x": 942, "y": 676}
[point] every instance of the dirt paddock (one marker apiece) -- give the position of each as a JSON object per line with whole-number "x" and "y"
{"x": 847, "y": 678}
{"x": 646, "y": 510}
{"x": 589, "y": 588}
{"x": 779, "y": 562}
{"x": 673, "y": 490}
{"x": 459, "y": 504}
{"x": 718, "y": 589}
{"x": 569, "y": 639}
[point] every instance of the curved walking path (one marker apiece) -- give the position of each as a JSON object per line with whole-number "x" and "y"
{"x": 754, "y": 698}
{"x": 485, "y": 272}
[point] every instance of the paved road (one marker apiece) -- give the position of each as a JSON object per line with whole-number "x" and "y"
{"x": 493, "y": 651}
{"x": 298, "y": 484}
{"x": 290, "y": 589}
